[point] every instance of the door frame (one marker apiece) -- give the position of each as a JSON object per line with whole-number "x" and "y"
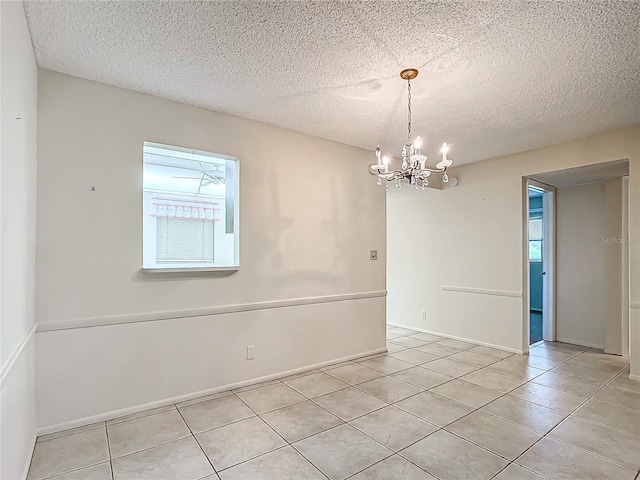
{"x": 549, "y": 262}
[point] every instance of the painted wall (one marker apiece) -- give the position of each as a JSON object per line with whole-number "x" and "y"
{"x": 310, "y": 213}
{"x": 581, "y": 265}
{"x": 458, "y": 252}
{"x": 18, "y": 125}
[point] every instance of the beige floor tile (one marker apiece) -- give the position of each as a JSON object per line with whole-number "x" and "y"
{"x": 391, "y": 336}
{"x": 179, "y": 460}
{"x": 552, "y": 354}
{"x": 576, "y": 386}
{"x": 414, "y": 356}
{"x": 467, "y": 393}
{"x": 394, "y": 428}
{"x": 402, "y": 331}
{"x": 516, "y": 472}
{"x": 620, "y": 397}
{"x": 427, "y": 337}
{"x": 449, "y": 457}
{"x": 232, "y": 444}
{"x": 284, "y": 463}
{"x": 449, "y": 367}
{"x": 438, "y": 350}
{"x": 434, "y": 408}
{"x": 393, "y": 468}
{"x": 607, "y": 442}
{"x": 215, "y": 413}
{"x": 341, "y": 451}
{"x": 389, "y": 389}
{"x": 583, "y": 373}
{"x": 472, "y": 359}
{"x": 386, "y": 364}
{"x": 548, "y": 397}
{"x": 493, "y": 380}
{"x": 495, "y": 434}
{"x": 145, "y": 432}
{"x": 530, "y": 415}
{"x": 623, "y": 381}
{"x": 301, "y": 420}
{"x": 599, "y": 364}
{"x": 567, "y": 347}
{"x": 517, "y": 370}
{"x": 421, "y": 377}
{"x": 459, "y": 344}
{"x": 69, "y": 452}
{"x": 316, "y": 384}
{"x": 354, "y": 374}
{"x": 102, "y": 471}
{"x": 349, "y": 403}
{"x": 491, "y": 352}
{"x": 611, "y": 416}
{"x": 563, "y": 462}
{"x": 262, "y": 400}
{"x": 409, "y": 342}
{"x": 533, "y": 361}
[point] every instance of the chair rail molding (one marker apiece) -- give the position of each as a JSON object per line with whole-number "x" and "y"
{"x": 482, "y": 291}
{"x": 15, "y": 355}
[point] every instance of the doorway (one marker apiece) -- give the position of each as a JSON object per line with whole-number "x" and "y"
{"x": 541, "y": 243}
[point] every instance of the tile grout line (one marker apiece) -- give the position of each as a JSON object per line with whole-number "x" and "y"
{"x": 215, "y": 471}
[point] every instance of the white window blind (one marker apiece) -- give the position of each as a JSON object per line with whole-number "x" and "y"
{"x": 181, "y": 239}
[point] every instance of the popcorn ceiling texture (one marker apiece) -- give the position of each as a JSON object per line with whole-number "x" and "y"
{"x": 495, "y": 77}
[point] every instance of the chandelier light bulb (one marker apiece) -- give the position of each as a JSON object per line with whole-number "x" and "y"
{"x": 417, "y": 143}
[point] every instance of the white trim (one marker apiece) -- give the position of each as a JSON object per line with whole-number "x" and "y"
{"x": 199, "y": 312}
{"x": 190, "y": 396}
{"x": 462, "y": 339}
{"x": 635, "y": 305}
{"x": 634, "y": 377}
{"x": 482, "y": 291}
{"x": 11, "y": 361}
{"x": 579, "y": 342}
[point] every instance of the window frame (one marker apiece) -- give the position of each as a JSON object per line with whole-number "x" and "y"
{"x": 235, "y": 187}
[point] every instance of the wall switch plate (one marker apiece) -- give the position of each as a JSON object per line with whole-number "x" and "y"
{"x": 250, "y": 349}
{"x": 424, "y": 314}
{"x": 373, "y": 254}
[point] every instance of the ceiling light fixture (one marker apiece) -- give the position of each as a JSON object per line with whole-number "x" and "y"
{"x": 414, "y": 168}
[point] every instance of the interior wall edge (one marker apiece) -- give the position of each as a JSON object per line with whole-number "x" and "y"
{"x": 582, "y": 343}
{"x": 200, "y": 312}
{"x": 463, "y": 339}
{"x": 8, "y": 366}
{"x": 190, "y": 396}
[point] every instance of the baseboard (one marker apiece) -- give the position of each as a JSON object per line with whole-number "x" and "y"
{"x": 634, "y": 377}
{"x": 190, "y": 396}
{"x": 579, "y": 342}
{"x": 463, "y": 339}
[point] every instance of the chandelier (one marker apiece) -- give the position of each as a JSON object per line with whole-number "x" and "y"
{"x": 414, "y": 163}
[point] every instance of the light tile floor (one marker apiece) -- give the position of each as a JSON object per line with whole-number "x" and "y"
{"x": 430, "y": 408}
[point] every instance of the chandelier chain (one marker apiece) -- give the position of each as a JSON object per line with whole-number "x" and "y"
{"x": 409, "y": 111}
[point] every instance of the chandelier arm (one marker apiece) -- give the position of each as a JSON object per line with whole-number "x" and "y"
{"x": 409, "y": 112}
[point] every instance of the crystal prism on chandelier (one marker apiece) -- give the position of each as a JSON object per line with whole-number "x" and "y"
{"x": 414, "y": 163}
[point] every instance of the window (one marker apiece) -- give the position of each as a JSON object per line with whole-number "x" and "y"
{"x": 190, "y": 209}
{"x": 535, "y": 239}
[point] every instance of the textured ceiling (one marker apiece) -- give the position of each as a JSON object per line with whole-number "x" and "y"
{"x": 496, "y": 77}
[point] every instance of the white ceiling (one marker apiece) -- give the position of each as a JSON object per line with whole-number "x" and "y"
{"x": 496, "y": 77}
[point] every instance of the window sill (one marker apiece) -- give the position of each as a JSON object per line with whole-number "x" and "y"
{"x": 190, "y": 269}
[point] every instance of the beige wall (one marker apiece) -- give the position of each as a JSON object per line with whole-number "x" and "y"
{"x": 310, "y": 213}
{"x": 469, "y": 239}
{"x": 18, "y": 126}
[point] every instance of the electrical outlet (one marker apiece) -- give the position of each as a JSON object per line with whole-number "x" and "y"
{"x": 424, "y": 314}
{"x": 250, "y": 350}
{"x": 373, "y": 254}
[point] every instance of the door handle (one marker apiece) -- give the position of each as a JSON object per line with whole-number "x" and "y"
{"x": 544, "y": 273}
